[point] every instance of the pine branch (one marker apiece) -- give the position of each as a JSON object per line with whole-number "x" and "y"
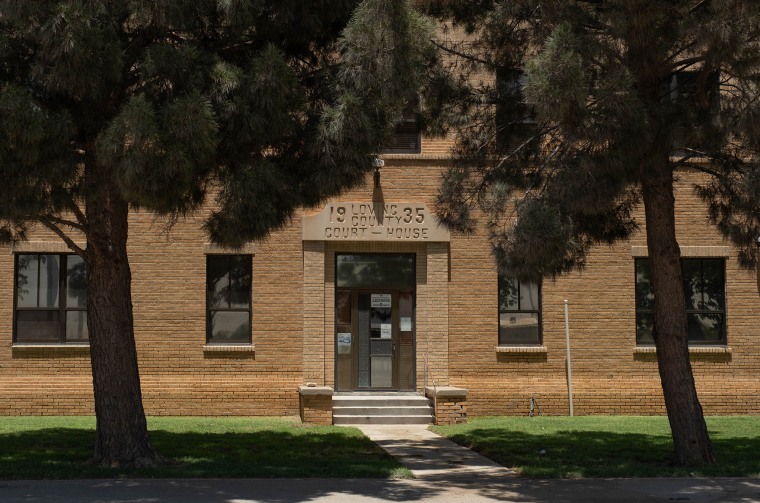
{"x": 699, "y": 6}
{"x": 62, "y": 221}
{"x": 682, "y": 49}
{"x": 686, "y": 63}
{"x": 47, "y": 222}
{"x": 81, "y": 223}
{"x": 468, "y": 57}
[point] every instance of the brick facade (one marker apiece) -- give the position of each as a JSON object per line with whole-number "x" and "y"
{"x": 456, "y": 330}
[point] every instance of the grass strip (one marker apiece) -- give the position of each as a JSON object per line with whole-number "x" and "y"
{"x": 196, "y": 447}
{"x": 606, "y": 446}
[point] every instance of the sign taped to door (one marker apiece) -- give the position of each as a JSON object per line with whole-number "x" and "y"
{"x": 381, "y": 300}
{"x": 344, "y": 343}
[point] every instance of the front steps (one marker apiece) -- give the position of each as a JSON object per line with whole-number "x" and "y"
{"x": 378, "y": 408}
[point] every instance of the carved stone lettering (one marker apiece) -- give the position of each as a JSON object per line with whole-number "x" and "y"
{"x": 374, "y": 222}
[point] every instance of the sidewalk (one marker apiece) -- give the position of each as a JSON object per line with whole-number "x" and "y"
{"x": 466, "y": 490}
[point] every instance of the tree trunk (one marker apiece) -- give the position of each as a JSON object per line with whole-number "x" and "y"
{"x": 687, "y": 424}
{"x": 122, "y": 433}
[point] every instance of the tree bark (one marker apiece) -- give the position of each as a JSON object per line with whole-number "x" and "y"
{"x": 122, "y": 433}
{"x": 687, "y": 424}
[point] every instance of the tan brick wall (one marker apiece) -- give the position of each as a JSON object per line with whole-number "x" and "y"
{"x": 457, "y": 324}
{"x": 609, "y": 377}
{"x": 316, "y": 409}
{"x": 449, "y": 411}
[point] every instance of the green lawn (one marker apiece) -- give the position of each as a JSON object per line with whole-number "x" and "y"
{"x": 606, "y": 446}
{"x": 59, "y": 447}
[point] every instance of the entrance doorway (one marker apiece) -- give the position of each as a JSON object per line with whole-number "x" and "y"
{"x": 374, "y": 322}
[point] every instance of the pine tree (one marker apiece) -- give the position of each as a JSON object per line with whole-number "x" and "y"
{"x": 590, "y": 108}
{"x": 113, "y": 105}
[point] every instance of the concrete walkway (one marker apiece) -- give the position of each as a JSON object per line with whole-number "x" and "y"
{"x": 430, "y": 456}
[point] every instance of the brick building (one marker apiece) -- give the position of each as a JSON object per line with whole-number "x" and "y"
{"x": 369, "y": 294}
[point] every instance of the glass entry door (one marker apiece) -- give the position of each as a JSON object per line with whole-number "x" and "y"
{"x": 374, "y": 337}
{"x": 376, "y": 326}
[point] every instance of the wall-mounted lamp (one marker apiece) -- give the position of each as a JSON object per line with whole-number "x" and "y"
{"x": 377, "y": 163}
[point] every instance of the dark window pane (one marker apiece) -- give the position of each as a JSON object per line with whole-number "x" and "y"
{"x": 27, "y": 278}
{"x": 49, "y": 280}
{"x": 40, "y": 284}
{"x": 706, "y": 328}
{"x": 406, "y": 138}
{"x": 343, "y": 307}
{"x": 76, "y": 282}
{"x": 704, "y": 292}
{"x": 230, "y": 326}
{"x": 509, "y": 294}
{"x": 218, "y": 281}
{"x": 713, "y": 285}
{"x": 529, "y": 297}
{"x": 644, "y": 328}
{"x": 76, "y": 326}
{"x": 240, "y": 281}
{"x": 644, "y": 290}
{"x": 380, "y": 322}
{"x": 375, "y": 270}
{"x": 692, "y": 283}
{"x": 518, "y": 328}
{"x": 38, "y": 326}
{"x": 406, "y": 310}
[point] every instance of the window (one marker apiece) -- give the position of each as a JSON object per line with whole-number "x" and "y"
{"x": 406, "y": 135}
{"x": 695, "y": 98}
{"x": 51, "y": 299}
{"x": 228, "y": 298}
{"x": 515, "y": 117}
{"x": 695, "y": 87}
{"x": 519, "y": 312}
{"x": 704, "y": 292}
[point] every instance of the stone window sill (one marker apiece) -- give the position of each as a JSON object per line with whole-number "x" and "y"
{"x": 50, "y": 346}
{"x": 229, "y": 348}
{"x": 693, "y": 350}
{"x": 521, "y": 349}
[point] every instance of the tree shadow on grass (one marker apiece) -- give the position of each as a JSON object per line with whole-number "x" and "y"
{"x": 56, "y": 453}
{"x": 575, "y": 454}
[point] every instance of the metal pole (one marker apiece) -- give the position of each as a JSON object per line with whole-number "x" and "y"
{"x": 569, "y": 369}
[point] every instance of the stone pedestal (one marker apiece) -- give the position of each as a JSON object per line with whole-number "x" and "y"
{"x": 316, "y": 404}
{"x": 449, "y": 404}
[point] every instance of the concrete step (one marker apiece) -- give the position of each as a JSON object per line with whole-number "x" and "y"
{"x": 423, "y": 419}
{"x": 420, "y": 410}
{"x": 382, "y": 409}
{"x": 380, "y": 401}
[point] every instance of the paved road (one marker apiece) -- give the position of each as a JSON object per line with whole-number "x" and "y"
{"x": 467, "y": 488}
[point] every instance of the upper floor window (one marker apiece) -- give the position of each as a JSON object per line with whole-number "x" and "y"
{"x": 228, "y": 298}
{"x": 406, "y": 135}
{"x": 516, "y": 123}
{"x": 51, "y": 299}
{"x": 704, "y": 291}
{"x": 519, "y": 312}
{"x": 699, "y": 88}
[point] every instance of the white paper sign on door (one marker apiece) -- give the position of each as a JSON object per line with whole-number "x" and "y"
{"x": 380, "y": 300}
{"x": 385, "y": 331}
{"x": 344, "y": 343}
{"x": 405, "y": 324}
